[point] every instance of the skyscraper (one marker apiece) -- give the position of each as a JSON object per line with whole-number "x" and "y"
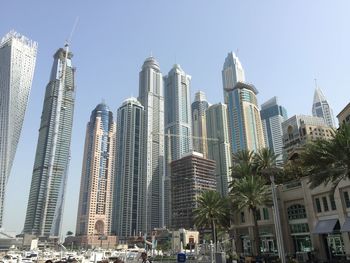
{"x": 272, "y": 116}
{"x": 129, "y": 184}
{"x": 178, "y": 125}
{"x": 219, "y": 151}
{"x": 246, "y": 132}
{"x": 321, "y": 108}
{"x": 231, "y": 74}
{"x": 199, "y": 126}
{"x": 95, "y": 198}
{"x": 178, "y": 112}
{"x": 151, "y": 96}
{"x": 17, "y": 63}
{"x": 46, "y": 196}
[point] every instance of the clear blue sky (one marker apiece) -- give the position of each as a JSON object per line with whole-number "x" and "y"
{"x": 283, "y": 46}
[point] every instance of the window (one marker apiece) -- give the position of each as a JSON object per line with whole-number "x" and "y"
{"x": 258, "y": 214}
{"x": 318, "y": 205}
{"x": 346, "y": 199}
{"x": 325, "y": 204}
{"x": 296, "y": 211}
{"x": 266, "y": 213}
{"x": 299, "y": 228}
{"x": 333, "y": 206}
{"x": 242, "y": 217}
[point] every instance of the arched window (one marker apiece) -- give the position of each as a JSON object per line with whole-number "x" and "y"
{"x": 296, "y": 211}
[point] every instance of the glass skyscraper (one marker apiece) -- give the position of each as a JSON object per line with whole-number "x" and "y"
{"x": 219, "y": 151}
{"x": 321, "y": 108}
{"x": 199, "y": 126}
{"x": 151, "y": 96}
{"x": 178, "y": 125}
{"x": 95, "y": 199}
{"x": 47, "y": 189}
{"x": 17, "y": 63}
{"x": 272, "y": 116}
{"x": 129, "y": 182}
{"x": 246, "y": 132}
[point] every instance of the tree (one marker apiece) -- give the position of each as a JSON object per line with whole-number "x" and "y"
{"x": 250, "y": 192}
{"x": 242, "y": 164}
{"x": 265, "y": 163}
{"x": 212, "y": 211}
{"x": 328, "y": 161}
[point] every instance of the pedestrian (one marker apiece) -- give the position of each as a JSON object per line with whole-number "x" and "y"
{"x": 145, "y": 258}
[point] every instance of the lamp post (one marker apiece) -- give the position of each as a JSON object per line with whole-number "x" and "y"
{"x": 277, "y": 220}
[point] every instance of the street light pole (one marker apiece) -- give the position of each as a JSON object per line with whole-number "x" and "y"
{"x": 277, "y": 219}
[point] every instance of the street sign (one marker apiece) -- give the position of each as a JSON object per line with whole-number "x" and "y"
{"x": 181, "y": 257}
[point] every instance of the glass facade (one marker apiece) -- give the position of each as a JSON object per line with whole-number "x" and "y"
{"x": 17, "y": 63}
{"x": 50, "y": 171}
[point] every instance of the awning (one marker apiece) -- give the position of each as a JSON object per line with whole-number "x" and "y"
{"x": 346, "y": 225}
{"x": 325, "y": 226}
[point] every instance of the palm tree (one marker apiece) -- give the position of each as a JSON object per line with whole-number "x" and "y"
{"x": 250, "y": 192}
{"x": 242, "y": 163}
{"x": 212, "y": 211}
{"x": 264, "y": 162}
{"x": 328, "y": 161}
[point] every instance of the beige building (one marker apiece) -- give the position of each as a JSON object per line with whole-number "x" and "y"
{"x": 344, "y": 115}
{"x": 314, "y": 222}
{"x": 95, "y": 200}
{"x": 301, "y": 129}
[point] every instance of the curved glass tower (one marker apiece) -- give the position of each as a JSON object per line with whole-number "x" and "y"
{"x": 17, "y": 62}
{"x": 47, "y": 189}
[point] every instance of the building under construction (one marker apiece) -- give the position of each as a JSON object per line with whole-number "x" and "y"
{"x": 190, "y": 175}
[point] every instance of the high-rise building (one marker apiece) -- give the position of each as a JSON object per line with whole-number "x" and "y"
{"x": 321, "y": 108}
{"x": 17, "y": 63}
{"x": 245, "y": 127}
{"x": 301, "y": 129}
{"x": 129, "y": 190}
{"x": 231, "y": 74}
{"x": 219, "y": 150}
{"x": 178, "y": 125}
{"x": 246, "y": 131}
{"x": 199, "y": 126}
{"x": 95, "y": 198}
{"x": 47, "y": 189}
{"x": 193, "y": 174}
{"x": 151, "y": 96}
{"x": 177, "y": 112}
{"x": 272, "y": 116}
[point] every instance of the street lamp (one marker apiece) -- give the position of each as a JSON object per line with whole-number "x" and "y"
{"x": 277, "y": 219}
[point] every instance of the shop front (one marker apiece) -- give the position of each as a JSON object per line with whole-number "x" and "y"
{"x": 329, "y": 231}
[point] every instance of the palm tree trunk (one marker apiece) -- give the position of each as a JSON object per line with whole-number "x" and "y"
{"x": 256, "y": 235}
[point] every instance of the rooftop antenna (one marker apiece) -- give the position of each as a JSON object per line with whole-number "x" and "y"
{"x": 151, "y": 53}
{"x": 237, "y": 50}
{"x": 315, "y": 83}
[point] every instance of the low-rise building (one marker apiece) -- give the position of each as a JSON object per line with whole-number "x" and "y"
{"x": 344, "y": 115}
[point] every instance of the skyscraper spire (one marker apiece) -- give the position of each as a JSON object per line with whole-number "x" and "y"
{"x": 321, "y": 108}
